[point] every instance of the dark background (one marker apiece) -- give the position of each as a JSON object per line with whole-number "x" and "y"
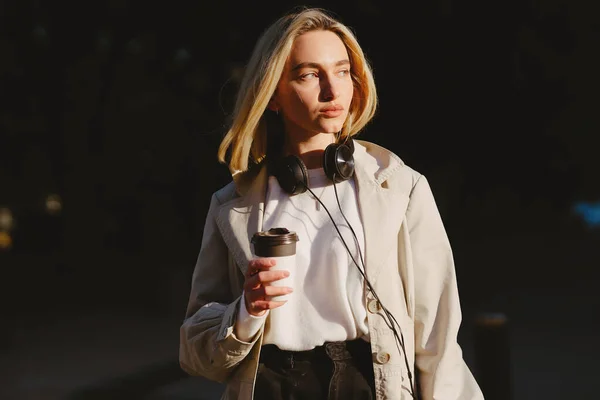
{"x": 110, "y": 118}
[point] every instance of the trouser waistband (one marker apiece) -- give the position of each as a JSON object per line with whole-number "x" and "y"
{"x": 335, "y": 351}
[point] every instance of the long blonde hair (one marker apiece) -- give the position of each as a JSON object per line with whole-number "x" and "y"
{"x": 246, "y": 139}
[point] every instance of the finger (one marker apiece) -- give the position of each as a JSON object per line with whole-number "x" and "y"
{"x": 263, "y": 293}
{"x": 270, "y": 291}
{"x": 264, "y": 277}
{"x": 259, "y": 264}
{"x": 261, "y": 305}
{"x": 271, "y": 276}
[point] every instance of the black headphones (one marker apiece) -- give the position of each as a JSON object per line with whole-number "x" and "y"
{"x": 292, "y": 174}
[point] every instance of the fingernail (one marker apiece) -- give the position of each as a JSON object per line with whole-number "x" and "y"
{"x": 289, "y": 290}
{"x": 286, "y": 273}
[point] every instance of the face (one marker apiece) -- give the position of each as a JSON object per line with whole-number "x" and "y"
{"x": 315, "y": 90}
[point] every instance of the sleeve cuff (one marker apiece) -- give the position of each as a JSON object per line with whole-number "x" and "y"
{"x": 247, "y": 326}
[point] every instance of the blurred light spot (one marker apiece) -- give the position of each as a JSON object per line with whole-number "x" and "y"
{"x": 5, "y": 241}
{"x": 491, "y": 319}
{"x": 589, "y": 212}
{"x": 39, "y": 32}
{"x": 182, "y": 55}
{"x": 134, "y": 46}
{"x": 7, "y": 222}
{"x": 53, "y": 204}
{"x": 103, "y": 41}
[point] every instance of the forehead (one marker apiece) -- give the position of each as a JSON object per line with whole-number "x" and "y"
{"x": 319, "y": 46}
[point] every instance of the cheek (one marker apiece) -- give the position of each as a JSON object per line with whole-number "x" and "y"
{"x": 349, "y": 91}
{"x": 303, "y": 99}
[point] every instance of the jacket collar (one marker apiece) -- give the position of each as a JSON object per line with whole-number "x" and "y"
{"x": 381, "y": 205}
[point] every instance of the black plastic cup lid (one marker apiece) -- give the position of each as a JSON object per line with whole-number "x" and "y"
{"x": 276, "y": 242}
{"x": 275, "y": 236}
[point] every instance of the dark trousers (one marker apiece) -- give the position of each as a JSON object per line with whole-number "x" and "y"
{"x": 334, "y": 371}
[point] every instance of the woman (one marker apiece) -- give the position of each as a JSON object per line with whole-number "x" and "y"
{"x": 374, "y": 298}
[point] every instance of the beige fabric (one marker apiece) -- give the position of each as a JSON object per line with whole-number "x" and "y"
{"x": 408, "y": 262}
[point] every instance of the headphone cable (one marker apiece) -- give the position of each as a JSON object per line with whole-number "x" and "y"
{"x": 390, "y": 317}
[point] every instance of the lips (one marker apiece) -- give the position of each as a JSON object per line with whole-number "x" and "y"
{"x": 332, "y": 108}
{"x": 332, "y": 111}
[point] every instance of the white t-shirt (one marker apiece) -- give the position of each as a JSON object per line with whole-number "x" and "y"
{"x": 327, "y": 303}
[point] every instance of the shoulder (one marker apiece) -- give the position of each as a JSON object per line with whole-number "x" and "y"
{"x": 226, "y": 193}
{"x": 386, "y": 166}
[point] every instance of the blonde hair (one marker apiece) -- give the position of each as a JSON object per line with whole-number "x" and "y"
{"x": 246, "y": 139}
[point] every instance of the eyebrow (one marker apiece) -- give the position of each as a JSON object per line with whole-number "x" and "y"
{"x": 317, "y": 65}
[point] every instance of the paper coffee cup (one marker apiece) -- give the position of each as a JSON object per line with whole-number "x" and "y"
{"x": 280, "y": 244}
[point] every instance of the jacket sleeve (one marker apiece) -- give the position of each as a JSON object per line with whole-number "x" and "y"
{"x": 207, "y": 344}
{"x": 442, "y": 371}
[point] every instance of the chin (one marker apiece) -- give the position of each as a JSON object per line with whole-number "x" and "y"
{"x": 331, "y": 128}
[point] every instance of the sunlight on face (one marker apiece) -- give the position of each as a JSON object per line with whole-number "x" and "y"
{"x": 315, "y": 90}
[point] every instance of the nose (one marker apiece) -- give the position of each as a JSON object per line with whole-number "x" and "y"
{"x": 329, "y": 90}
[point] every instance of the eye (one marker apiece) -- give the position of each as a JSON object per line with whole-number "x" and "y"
{"x": 309, "y": 75}
{"x": 344, "y": 72}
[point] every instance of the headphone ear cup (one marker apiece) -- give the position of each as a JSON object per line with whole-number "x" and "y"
{"x": 338, "y": 162}
{"x": 292, "y": 175}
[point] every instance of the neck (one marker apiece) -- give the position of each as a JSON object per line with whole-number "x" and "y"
{"x": 310, "y": 149}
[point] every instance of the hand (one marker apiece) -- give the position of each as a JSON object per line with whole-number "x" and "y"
{"x": 257, "y": 290}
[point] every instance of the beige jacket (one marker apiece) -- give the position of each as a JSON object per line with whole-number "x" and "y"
{"x": 408, "y": 260}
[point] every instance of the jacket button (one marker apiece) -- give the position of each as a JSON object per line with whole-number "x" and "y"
{"x": 373, "y": 306}
{"x": 383, "y": 357}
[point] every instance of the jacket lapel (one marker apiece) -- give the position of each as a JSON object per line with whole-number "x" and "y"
{"x": 381, "y": 209}
{"x": 239, "y": 219}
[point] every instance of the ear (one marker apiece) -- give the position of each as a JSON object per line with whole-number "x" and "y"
{"x": 273, "y": 105}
